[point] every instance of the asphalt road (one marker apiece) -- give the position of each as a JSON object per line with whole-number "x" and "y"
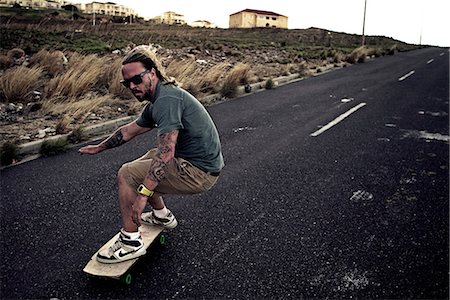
{"x": 360, "y": 210}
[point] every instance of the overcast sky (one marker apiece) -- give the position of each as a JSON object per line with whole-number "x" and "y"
{"x": 410, "y": 21}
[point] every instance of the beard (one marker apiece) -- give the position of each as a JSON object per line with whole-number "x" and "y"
{"x": 146, "y": 95}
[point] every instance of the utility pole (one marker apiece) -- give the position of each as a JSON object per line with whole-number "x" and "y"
{"x": 93, "y": 20}
{"x": 363, "y": 42}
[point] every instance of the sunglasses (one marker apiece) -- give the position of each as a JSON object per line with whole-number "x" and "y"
{"x": 136, "y": 79}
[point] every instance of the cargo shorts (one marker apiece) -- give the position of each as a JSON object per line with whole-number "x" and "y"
{"x": 182, "y": 177}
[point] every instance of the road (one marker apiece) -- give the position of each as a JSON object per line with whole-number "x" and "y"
{"x": 305, "y": 207}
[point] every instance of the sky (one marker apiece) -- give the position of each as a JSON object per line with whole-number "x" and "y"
{"x": 424, "y": 22}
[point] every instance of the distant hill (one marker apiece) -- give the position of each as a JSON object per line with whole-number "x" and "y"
{"x": 33, "y": 30}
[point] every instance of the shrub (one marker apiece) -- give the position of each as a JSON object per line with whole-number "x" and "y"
{"x": 392, "y": 50}
{"x": 229, "y": 88}
{"x": 76, "y": 136}
{"x": 358, "y": 55}
{"x": 270, "y": 84}
{"x": 54, "y": 147}
{"x": 18, "y": 83}
{"x": 9, "y": 153}
{"x": 237, "y": 75}
{"x": 16, "y": 53}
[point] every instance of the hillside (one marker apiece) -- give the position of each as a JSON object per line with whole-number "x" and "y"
{"x": 33, "y": 30}
{"x": 60, "y": 73}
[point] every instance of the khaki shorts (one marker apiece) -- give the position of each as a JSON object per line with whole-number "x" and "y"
{"x": 181, "y": 176}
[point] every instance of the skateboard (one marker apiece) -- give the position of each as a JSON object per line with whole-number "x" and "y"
{"x": 120, "y": 271}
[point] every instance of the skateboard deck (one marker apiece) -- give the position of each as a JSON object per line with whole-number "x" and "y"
{"x": 150, "y": 235}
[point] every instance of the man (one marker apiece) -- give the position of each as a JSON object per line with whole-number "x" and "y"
{"x": 187, "y": 160}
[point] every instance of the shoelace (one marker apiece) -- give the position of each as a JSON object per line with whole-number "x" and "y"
{"x": 117, "y": 245}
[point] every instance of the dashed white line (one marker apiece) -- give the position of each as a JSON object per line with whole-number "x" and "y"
{"x": 430, "y": 61}
{"x": 337, "y": 120}
{"x": 406, "y": 76}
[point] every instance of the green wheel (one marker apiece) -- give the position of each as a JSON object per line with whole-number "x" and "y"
{"x": 162, "y": 239}
{"x": 127, "y": 279}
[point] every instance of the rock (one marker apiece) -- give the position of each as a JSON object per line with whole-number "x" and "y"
{"x": 37, "y": 95}
{"x": 201, "y": 62}
{"x": 25, "y": 137}
{"x": 41, "y": 134}
{"x": 11, "y": 107}
{"x": 33, "y": 106}
{"x": 49, "y": 130}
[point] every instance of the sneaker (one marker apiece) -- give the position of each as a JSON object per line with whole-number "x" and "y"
{"x": 123, "y": 249}
{"x": 169, "y": 221}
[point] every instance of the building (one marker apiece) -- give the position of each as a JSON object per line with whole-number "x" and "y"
{"x": 35, "y": 4}
{"x": 170, "y": 18}
{"x": 250, "y": 18}
{"x": 203, "y": 23}
{"x": 107, "y": 8}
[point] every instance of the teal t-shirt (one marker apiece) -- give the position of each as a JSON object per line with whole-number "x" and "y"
{"x": 198, "y": 140}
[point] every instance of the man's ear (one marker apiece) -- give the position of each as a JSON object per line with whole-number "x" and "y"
{"x": 153, "y": 72}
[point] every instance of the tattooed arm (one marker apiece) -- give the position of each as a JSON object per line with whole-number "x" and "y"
{"x": 118, "y": 138}
{"x": 157, "y": 171}
{"x": 166, "y": 151}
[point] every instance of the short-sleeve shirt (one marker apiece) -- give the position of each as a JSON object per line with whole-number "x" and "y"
{"x": 198, "y": 139}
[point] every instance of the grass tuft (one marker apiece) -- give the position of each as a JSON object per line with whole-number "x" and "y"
{"x": 53, "y": 63}
{"x": 270, "y": 84}
{"x": 17, "y": 84}
{"x": 51, "y": 148}
{"x": 9, "y": 153}
{"x": 82, "y": 75}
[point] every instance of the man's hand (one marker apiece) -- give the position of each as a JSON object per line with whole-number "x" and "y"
{"x": 91, "y": 149}
{"x": 138, "y": 208}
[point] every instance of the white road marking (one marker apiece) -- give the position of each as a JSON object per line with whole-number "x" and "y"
{"x": 430, "y": 61}
{"x": 422, "y": 134}
{"x": 338, "y": 119}
{"x": 406, "y": 76}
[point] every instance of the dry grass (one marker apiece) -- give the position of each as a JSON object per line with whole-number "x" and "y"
{"x": 17, "y": 84}
{"x": 82, "y": 74}
{"x": 74, "y": 110}
{"x": 112, "y": 76}
{"x": 75, "y": 87}
{"x": 195, "y": 78}
{"x": 54, "y": 63}
{"x": 358, "y": 55}
{"x": 238, "y": 75}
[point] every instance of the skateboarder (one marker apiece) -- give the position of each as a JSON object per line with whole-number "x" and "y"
{"x": 187, "y": 158}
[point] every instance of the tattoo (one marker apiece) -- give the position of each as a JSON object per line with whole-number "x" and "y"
{"x": 114, "y": 140}
{"x": 166, "y": 150}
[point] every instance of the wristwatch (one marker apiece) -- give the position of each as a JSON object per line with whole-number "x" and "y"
{"x": 144, "y": 191}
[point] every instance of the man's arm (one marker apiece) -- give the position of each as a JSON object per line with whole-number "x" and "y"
{"x": 157, "y": 170}
{"x": 166, "y": 143}
{"x": 118, "y": 138}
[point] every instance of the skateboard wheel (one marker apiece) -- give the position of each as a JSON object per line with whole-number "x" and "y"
{"x": 127, "y": 279}
{"x": 162, "y": 239}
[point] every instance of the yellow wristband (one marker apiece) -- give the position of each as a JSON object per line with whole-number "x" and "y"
{"x": 144, "y": 191}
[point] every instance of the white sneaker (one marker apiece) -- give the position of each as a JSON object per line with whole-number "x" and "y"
{"x": 123, "y": 249}
{"x": 168, "y": 221}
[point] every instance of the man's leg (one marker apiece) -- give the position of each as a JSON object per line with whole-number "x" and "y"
{"x": 127, "y": 196}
